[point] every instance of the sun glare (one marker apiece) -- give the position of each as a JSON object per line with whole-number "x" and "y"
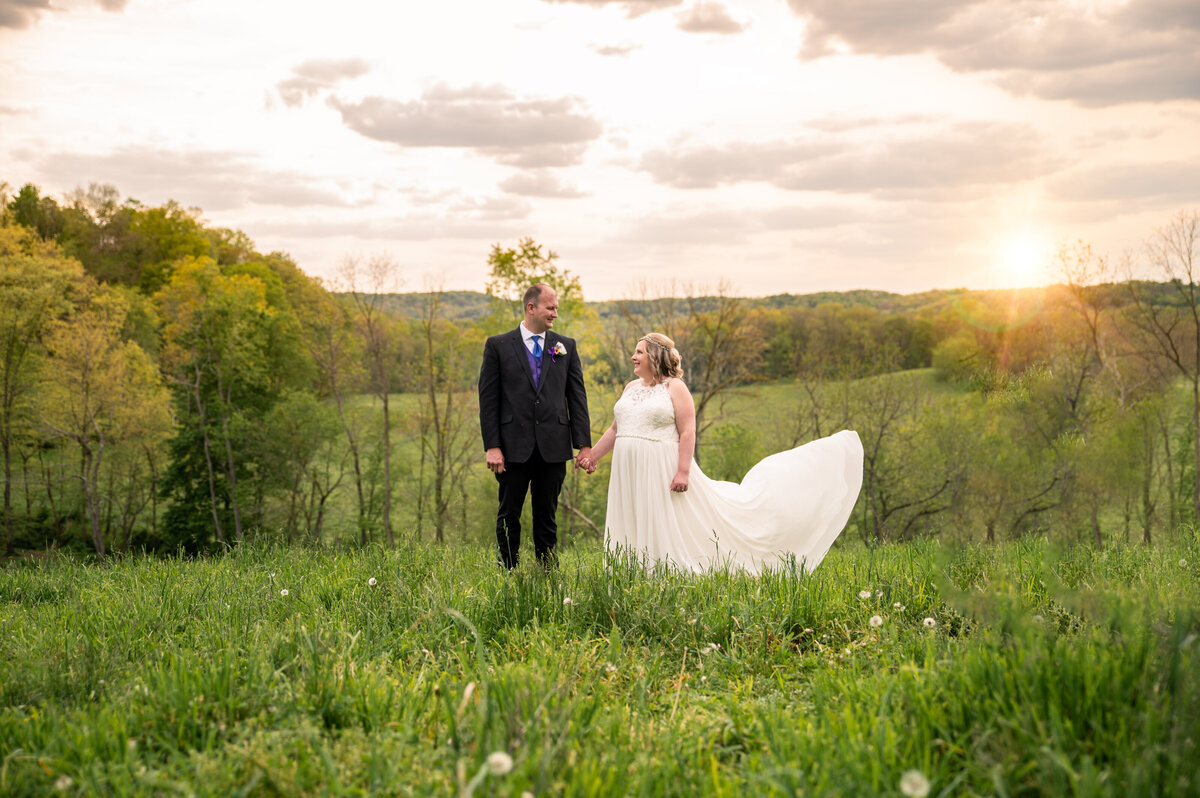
{"x": 1023, "y": 262}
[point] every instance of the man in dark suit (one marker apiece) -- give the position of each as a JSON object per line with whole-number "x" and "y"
{"x": 533, "y": 413}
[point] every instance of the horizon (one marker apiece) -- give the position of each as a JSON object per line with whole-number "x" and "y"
{"x": 800, "y": 145}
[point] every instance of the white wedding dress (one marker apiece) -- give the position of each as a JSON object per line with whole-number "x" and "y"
{"x": 792, "y": 504}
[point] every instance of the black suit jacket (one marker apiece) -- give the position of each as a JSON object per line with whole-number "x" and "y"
{"x": 518, "y": 416}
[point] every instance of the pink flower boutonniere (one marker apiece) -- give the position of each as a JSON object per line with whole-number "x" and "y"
{"x": 558, "y": 349}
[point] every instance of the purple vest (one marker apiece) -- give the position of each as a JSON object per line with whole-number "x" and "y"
{"x": 535, "y": 365}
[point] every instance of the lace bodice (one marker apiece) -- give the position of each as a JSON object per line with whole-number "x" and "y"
{"x": 645, "y": 411}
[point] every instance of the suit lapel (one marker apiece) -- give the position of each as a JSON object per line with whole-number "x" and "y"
{"x": 548, "y": 361}
{"x": 522, "y": 355}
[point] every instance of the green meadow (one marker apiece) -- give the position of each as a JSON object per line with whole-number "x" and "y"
{"x": 1014, "y": 669}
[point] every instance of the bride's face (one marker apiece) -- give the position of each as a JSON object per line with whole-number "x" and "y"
{"x": 641, "y": 363}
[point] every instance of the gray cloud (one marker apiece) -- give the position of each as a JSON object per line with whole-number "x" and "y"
{"x": 1145, "y": 182}
{"x": 489, "y": 119}
{"x": 708, "y": 16}
{"x": 943, "y": 164}
{"x": 19, "y": 14}
{"x": 314, "y": 76}
{"x": 540, "y": 183}
{"x": 1145, "y": 50}
{"x": 634, "y": 8}
{"x": 215, "y": 180}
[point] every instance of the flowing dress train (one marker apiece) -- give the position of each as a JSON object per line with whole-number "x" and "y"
{"x": 792, "y": 504}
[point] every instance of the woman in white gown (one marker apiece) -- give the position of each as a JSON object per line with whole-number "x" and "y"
{"x": 662, "y": 507}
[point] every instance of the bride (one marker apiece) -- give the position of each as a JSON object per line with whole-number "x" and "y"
{"x": 663, "y": 508}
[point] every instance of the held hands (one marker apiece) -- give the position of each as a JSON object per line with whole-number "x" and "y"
{"x": 680, "y": 483}
{"x": 585, "y": 460}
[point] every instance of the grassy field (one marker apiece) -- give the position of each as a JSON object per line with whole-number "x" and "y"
{"x": 291, "y": 672}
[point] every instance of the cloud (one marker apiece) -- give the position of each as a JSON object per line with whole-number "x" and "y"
{"x": 20, "y": 14}
{"x": 736, "y": 225}
{"x": 942, "y": 164}
{"x": 488, "y": 119}
{"x": 214, "y": 180}
{"x": 614, "y": 50}
{"x": 1134, "y": 182}
{"x": 464, "y": 217}
{"x": 540, "y": 183}
{"x": 708, "y": 16}
{"x": 491, "y": 208}
{"x": 316, "y": 75}
{"x": 634, "y": 8}
{"x": 1144, "y": 50}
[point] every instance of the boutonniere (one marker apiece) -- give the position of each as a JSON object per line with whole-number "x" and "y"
{"x": 558, "y": 349}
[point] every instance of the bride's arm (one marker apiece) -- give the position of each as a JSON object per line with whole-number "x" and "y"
{"x": 604, "y": 445}
{"x": 685, "y": 423}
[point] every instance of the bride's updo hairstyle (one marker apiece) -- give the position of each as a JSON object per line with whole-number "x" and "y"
{"x": 665, "y": 360}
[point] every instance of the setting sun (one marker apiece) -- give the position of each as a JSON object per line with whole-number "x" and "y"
{"x": 1023, "y": 261}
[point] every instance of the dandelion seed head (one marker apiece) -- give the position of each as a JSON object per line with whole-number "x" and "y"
{"x": 63, "y": 783}
{"x": 371, "y": 582}
{"x": 898, "y": 606}
{"x": 567, "y": 602}
{"x": 1038, "y": 619}
{"x": 876, "y": 621}
{"x": 1182, "y": 563}
{"x": 610, "y": 668}
{"x": 864, "y": 594}
{"x": 914, "y": 784}
{"x": 929, "y": 622}
{"x": 499, "y": 762}
{"x": 283, "y": 592}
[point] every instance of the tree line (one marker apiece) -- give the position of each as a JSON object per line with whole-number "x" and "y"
{"x": 165, "y": 385}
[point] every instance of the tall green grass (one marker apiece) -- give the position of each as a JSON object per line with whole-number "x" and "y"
{"x": 1045, "y": 673}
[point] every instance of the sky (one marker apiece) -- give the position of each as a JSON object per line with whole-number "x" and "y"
{"x": 767, "y": 146}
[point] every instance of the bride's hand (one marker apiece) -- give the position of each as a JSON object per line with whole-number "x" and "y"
{"x": 680, "y": 483}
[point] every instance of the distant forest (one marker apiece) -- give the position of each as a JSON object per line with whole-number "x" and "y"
{"x": 164, "y": 385}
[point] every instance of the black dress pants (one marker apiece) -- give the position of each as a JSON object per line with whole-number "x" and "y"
{"x": 543, "y": 481}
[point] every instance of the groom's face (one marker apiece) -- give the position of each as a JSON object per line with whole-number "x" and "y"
{"x": 540, "y": 315}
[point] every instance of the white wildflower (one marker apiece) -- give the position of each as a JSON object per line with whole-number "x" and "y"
{"x": 898, "y": 606}
{"x": 864, "y": 594}
{"x": 567, "y": 602}
{"x": 372, "y": 582}
{"x": 914, "y": 784}
{"x": 929, "y": 622}
{"x": 499, "y": 762}
{"x": 876, "y": 621}
{"x": 63, "y": 783}
{"x": 284, "y": 592}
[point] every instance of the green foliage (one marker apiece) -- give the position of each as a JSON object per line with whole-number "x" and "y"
{"x": 1045, "y": 673}
{"x": 512, "y": 271}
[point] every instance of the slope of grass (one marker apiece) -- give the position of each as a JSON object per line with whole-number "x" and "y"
{"x": 1044, "y": 673}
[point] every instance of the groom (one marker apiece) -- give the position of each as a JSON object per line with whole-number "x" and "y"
{"x": 532, "y": 412}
